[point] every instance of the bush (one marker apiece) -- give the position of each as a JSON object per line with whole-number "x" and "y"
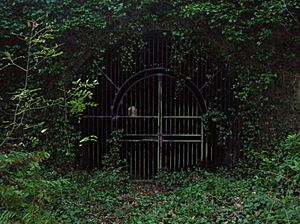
{"x": 288, "y": 168}
{"x": 24, "y": 192}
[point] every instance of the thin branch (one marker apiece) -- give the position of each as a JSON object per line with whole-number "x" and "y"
{"x": 5, "y": 66}
{"x": 43, "y": 107}
{"x": 15, "y": 125}
{"x": 39, "y": 33}
{"x": 28, "y": 64}
{"x": 106, "y": 76}
{"x": 18, "y": 66}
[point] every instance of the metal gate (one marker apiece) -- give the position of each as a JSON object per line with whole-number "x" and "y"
{"x": 161, "y": 122}
{"x": 160, "y": 103}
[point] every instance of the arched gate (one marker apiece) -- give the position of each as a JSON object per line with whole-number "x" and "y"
{"x": 162, "y": 124}
{"x": 159, "y": 103}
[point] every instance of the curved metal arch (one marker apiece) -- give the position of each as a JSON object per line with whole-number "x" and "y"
{"x": 129, "y": 83}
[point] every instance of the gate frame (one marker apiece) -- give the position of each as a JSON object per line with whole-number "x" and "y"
{"x": 156, "y": 72}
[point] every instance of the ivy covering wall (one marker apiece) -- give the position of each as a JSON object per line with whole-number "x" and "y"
{"x": 259, "y": 41}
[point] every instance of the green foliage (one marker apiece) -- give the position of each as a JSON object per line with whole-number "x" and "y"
{"x": 37, "y": 121}
{"x": 174, "y": 180}
{"x": 27, "y": 98}
{"x": 220, "y": 198}
{"x": 218, "y": 120}
{"x": 290, "y": 166}
{"x": 24, "y": 192}
{"x": 257, "y": 40}
{"x": 266, "y": 195}
{"x": 80, "y": 96}
{"x": 112, "y": 159}
{"x": 90, "y": 197}
{"x": 286, "y": 165}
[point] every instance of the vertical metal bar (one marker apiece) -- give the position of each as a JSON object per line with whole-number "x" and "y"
{"x": 192, "y": 154}
{"x": 138, "y": 93}
{"x": 147, "y": 174}
{"x": 135, "y": 130}
{"x": 153, "y": 98}
{"x": 195, "y": 121}
{"x": 180, "y": 102}
{"x": 163, "y": 120}
{"x": 179, "y": 155}
{"x": 153, "y": 149}
{"x": 132, "y": 147}
{"x": 113, "y": 123}
{"x": 184, "y": 159}
{"x": 189, "y": 132}
{"x": 176, "y": 156}
{"x": 96, "y": 98}
{"x": 97, "y": 144}
{"x": 148, "y": 100}
{"x": 210, "y": 97}
{"x": 193, "y": 163}
{"x": 148, "y": 106}
{"x": 194, "y": 75}
{"x": 169, "y": 127}
{"x": 129, "y": 147}
{"x": 157, "y": 56}
{"x": 202, "y": 142}
{"x": 92, "y": 143}
{"x": 186, "y": 154}
{"x": 159, "y": 122}
{"x": 105, "y": 109}
{"x": 184, "y": 120}
{"x": 169, "y": 105}
{"x": 144, "y": 129}
{"x": 170, "y": 155}
{"x": 140, "y": 147}
{"x": 131, "y": 131}
{"x": 153, "y": 52}
{"x": 152, "y": 83}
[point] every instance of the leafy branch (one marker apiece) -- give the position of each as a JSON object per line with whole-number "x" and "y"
{"x": 37, "y": 51}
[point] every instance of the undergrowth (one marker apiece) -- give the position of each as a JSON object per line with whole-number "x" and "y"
{"x": 90, "y": 197}
{"x": 264, "y": 193}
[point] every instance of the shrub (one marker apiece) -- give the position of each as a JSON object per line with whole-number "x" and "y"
{"x": 24, "y": 191}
